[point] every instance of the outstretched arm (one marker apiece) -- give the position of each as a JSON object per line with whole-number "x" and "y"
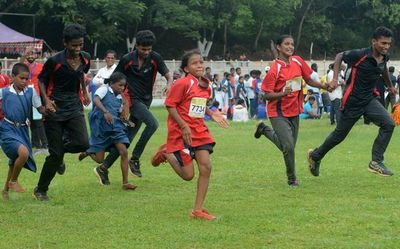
{"x": 169, "y": 79}
{"x": 388, "y": 82}
{"x": 336, "y": 69}
{"x": 218, "y": 118}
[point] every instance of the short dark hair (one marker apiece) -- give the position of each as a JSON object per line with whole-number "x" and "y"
{"x": 116, "y": 77}
{"x": 391, "y": 69}
{"x": 145, "y": 38}
{"x": 215, "y": 103}
{"x": 314, "y": 66}
{"x": 186, "y": 56}
{"x": 281, "y": 39}
{"x": 240, "y": 102}
{"x": 382, "y": 32}
{"x": 110, "y": 51}
{"x": 19, "y": 68}
{"x": 73, "y": 31}
{"x": 311, "y": 97}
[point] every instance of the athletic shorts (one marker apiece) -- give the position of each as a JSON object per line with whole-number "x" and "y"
{"x": 186, "y": 156}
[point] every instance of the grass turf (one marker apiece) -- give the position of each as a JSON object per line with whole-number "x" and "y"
{"x": 346, "y": 207}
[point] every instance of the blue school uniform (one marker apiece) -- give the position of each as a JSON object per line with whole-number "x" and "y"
{"x": 14, "y": 127}
{"x": 103, "y": 135}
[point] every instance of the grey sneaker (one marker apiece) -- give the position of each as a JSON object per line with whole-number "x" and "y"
{"x": 293, "y": 183}
{"x": 40, "y": 196}
{"x": 134, "y": 166}
{"x": 312, "y": 164}
{"x": 263, "y": 129}
{"x": 259, "y": 130}
{"x": 379, "y": 168}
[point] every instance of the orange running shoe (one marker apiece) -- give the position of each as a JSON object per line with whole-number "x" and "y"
{"x": 202, "y": 214}
{"x": 159, "y": 157}
{"x": 16, "y": 187}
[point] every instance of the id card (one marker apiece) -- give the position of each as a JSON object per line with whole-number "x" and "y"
{"x": 197, "y": 107}
{"x": 295, "y": 83}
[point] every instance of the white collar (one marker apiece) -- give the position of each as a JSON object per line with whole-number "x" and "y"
{"x": 111, "y": 91}
{"x": 12, "y": 89}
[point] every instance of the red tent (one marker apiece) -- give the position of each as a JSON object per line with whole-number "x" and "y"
{"x": 13, "y": 42}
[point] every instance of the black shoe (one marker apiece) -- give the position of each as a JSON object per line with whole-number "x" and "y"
{"x": 259, "y": 131}
{"x": 379, "y": 168}
{"x": 293, "y": 183}
{"x": 134, "y": 166}
{"x": 40, "y": 196}
{"x": 61, "y": 169}
{"x": 312, "y": 164}
{"x": 102, "y": 174}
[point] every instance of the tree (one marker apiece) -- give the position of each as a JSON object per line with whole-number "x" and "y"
{"x": 102, "y": 18}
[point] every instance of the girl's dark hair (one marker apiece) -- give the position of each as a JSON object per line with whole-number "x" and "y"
{"x": 145, "y": 38}
{"x": 281, "y": 38}
{"x": 19, "y": 68}
{"x": 73, "y": 31}
{"x": 116, "y": 77}
{"x": 186, "y": 56}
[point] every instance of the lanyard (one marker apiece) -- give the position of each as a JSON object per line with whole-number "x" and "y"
{"x": 32, "y": 71}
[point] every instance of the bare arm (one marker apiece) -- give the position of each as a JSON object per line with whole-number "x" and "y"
{"x": 388, "y": 82}
{"x": 107, "y": 116}
{"x": 314, "y": 83}
{"x": 336, "y": 68}
{"x": 169, "y": 79}
{"x": 186, "y": 132}
{"x": 218, "y": 118}
{"x": 278, "y": 95}
{"x": 48, "y": 103}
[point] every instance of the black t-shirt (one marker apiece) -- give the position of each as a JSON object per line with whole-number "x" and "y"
{"x": 365, "y": 74}
{"x": 141, "y": 80}
{"x": 63, "y": 85}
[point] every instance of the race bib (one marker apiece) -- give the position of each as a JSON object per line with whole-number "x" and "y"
{"x": 295, "y": 83}
{"x": 197, "y": 107}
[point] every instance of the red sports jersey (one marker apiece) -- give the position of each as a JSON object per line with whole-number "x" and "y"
{"x": 4, "y": 80}
{"x": 278, "y": 76}
{"x": 190, "y": 100}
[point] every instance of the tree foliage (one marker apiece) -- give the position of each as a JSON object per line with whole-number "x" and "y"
{"x": 331, "y": 25}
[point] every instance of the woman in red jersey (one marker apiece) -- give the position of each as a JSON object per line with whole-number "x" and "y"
{"x": 283, "y": 90}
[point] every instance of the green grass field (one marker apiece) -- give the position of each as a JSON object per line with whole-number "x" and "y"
{"x": 346, "y": 207}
